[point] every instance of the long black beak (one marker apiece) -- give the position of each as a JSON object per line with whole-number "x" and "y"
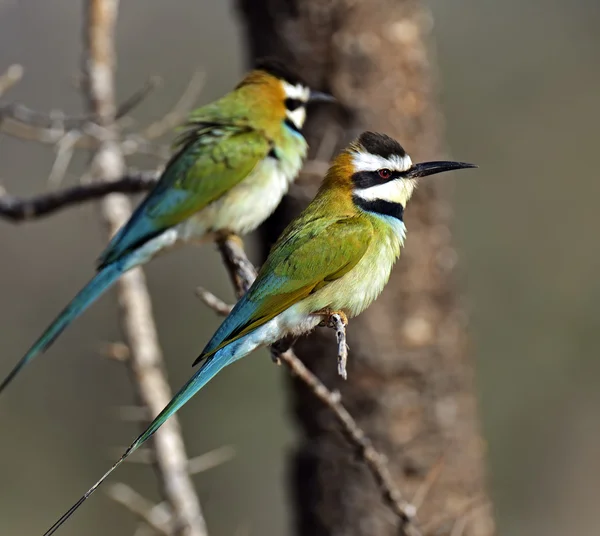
{"x": 431, "y": 168}
{"x": 320, "y": 96}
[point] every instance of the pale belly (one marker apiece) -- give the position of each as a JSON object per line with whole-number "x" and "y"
{"x": 356, "y": 290}
{"x": 352, "y": 294}
{"x": 243, "y": 208}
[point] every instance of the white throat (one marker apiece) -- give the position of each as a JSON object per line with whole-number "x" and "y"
{"x": 299, "y": 93}
{"x": 297, "y": 116}
{"x": 395, "y": 191}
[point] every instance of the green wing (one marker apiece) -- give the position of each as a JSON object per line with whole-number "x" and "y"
{"x": 309, "y": 255}
{"x": 212, "y": 158}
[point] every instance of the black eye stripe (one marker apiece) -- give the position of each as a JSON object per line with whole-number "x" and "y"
{"x": 366, "y": 179}
{"x": 293, "y": 104}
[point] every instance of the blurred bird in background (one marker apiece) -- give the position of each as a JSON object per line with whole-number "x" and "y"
{"x": 233, "y": 163}
{"x": 336, "y": 257}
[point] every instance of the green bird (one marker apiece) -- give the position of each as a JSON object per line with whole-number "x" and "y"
{"x": 232, "y": 165}
{"x": 336, "y": 256}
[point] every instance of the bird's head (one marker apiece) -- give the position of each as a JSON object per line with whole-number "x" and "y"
{"x": 380, "y": 175}
{"x": 281, "y": 85}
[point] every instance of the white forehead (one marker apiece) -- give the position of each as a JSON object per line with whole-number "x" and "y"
{"x": 373, "y": 162}
{"x": 298, "y": 91}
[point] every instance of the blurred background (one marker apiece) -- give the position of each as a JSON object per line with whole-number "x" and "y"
{"x": 520, "y": 84}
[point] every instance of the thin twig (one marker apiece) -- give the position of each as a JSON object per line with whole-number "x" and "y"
{"x": 242, "y": 273}
{"x": 211, "y": 459}
{"x": 449, "y": 518}
{"x": 18, "y": 210}
{"x": 9, "y": 78}
{"x": 463, "y": 521}
{"x": 198, "y": 464}
{"x": 336, "y": 322}
{"x": 146, "y": 362}
{"x": 375, "y": 461}
{"x": 64, "y": 153}
{"x": 156, "y": 516}
{"x": 133, "y": 101}
{"x": 180, "y": 111}
{"x": 427, "y": 484}
{"x": 240, "y": 269}
{"x": 57, "y": 120}
{"x": 214, "y": 302}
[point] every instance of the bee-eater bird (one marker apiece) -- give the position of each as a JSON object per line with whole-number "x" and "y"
{"x": 335, "y": 257}
{"x": 233, "y": 164}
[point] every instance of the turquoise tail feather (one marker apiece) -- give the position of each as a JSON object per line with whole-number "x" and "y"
{"x": 86, "y": 296}
{"x": 207, "y": 372}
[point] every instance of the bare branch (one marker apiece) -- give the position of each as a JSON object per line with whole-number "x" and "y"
{"x": 240, "y": 269}
{"x": 145, "y": 362}
{"x": 376, "y": 462}
{"x": 211, "y": 459}
{"x": 428, "y": 483}
{"x": 17, "y": 210}
{"x": 199, "y": 464}
{"x": 57, "y": 120}
{"x": 54, "y": 120}
{"x": 64, "y": 153}
{"x": 133, "y": 101}
{"x": 156, "y": 516}
{"x": 242, "y": 273}
{"x": 448, "y": 520}
{"x": 214, "y": 302}
{"x": 179, "y": 112}
{"x": 9, "y": 78}
{"x": 338, "y": 321}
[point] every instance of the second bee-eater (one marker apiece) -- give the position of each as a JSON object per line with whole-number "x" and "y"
{"x": 232, "y": 166}
{"x": 336, "y": 256}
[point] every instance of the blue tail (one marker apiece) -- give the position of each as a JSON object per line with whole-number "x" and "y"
{"x": 207, "y": 372}
{"x": 101, "y": 281}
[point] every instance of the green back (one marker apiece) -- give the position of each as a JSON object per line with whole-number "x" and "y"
{"x": 312, "y": 252}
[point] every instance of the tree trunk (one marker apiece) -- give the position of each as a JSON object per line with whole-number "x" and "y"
{"x": 409, "y": 378}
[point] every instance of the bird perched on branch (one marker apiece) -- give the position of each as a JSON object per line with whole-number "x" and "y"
{"x": 335, "y": 258}
{"x": 233, "y": 163}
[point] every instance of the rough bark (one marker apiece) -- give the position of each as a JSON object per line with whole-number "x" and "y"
{"x": 409, "y": 376}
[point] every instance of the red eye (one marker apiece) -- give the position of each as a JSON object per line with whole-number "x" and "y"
{"x": 385, "y": 173}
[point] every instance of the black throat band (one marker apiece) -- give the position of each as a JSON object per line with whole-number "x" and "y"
{"x": 380, "y": 206}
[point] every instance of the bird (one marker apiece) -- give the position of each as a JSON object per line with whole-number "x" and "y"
{"x": 232, "y": 164}
{"x": 335, "y": 258}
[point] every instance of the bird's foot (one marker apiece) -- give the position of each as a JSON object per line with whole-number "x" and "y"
{"x": 338, "y": 321}
{"x": 332, "y": 318}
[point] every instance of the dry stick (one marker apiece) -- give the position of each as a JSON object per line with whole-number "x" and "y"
{"x": 146, "y": 363}
{"x": 57, "y": 120}
{"x": 336, "y": 322}
{"x": 214, "y": 302}
{"x": 154, "y": 515}
{"x": 17, "y": 210}
{"x": 10, "y": 77}
{"x": 179, "y": 112}
{"x": 242, "y": 274}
